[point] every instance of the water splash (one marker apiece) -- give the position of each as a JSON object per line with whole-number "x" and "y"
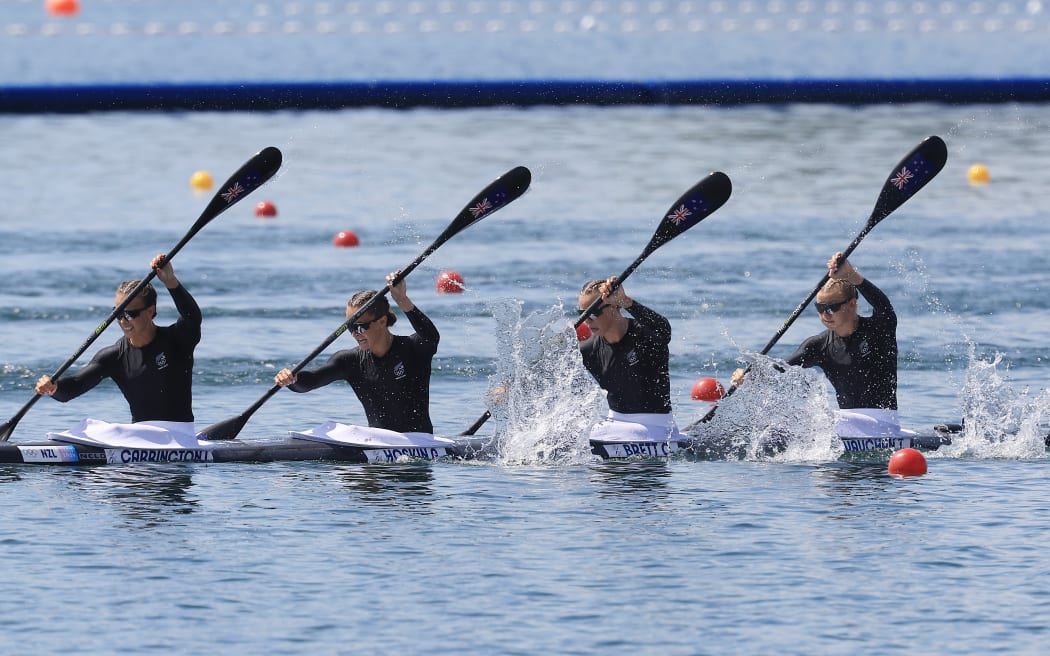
{"x": 779, "y": 413}
{"x": 998, "y": 420}
{"x": 542, "y": 398}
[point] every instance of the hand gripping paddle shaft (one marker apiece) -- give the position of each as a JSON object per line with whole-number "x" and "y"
{"x": 252, "y": 175}
{"x": 498, "y": 194}
{"x": 690, "y": 209}
{"x": 910, "y": 175}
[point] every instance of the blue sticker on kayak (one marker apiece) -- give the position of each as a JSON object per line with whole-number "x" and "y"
{"x": 46, "y": 454}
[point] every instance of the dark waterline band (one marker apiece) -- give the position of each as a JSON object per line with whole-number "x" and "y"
{"x": 267, "y": 96}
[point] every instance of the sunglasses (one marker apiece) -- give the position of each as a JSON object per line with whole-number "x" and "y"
{"x": 829, "y": 308}
{"x": 130, "y": 315}
{"x": 362, "y": 326}
{"x": 597, "y": 312}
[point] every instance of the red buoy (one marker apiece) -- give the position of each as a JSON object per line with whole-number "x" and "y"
{"x": 708, "y": 389}
{"x": 345, "y": 238}
{"x": 583, "y": 332}
{"x": 265, "y": 209}
{"x": 63, "y": 7}
{"x": 449, "y": 282}
{"x": 907, "y": 462}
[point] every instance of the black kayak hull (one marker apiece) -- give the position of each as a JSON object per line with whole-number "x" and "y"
{"x": 52, "y": 452}
{"x": 722, "y": 447}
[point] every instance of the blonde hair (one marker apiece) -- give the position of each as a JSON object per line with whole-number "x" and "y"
{"x": 148, "y": 293}
{"x": 843, "y": 285}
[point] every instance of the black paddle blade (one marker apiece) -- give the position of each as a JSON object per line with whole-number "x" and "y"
{"x": 910, "y": 175}
{"x": 693, "y": 207}
{"x": 252, "y": 175}
{"x": 8, "y": 427}
{"x": 224, "y": 430}
{"x": 500, "y": 192}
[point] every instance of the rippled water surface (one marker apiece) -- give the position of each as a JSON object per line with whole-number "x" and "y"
{"x": 533, "y": 553}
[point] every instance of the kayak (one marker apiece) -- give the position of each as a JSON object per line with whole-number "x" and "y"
{"x": 720, "y": 447}
{"x": 54, "y": 452}
{"x": 699, "y": 447}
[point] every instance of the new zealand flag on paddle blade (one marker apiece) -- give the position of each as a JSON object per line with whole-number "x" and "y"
{"x": 688, "y": 213}
{"x": 481, "y": 208}
{"x": 912, "y": 175}
{"x": 249, "y": 182}
{"x": 234, "y": 192}
{"x": 489, "y": 204}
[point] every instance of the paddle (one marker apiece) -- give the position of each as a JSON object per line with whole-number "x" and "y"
{"x": 252, "y": 175}
{"x": 498, "y": 194}
{"x": 910, "y": 175}
{"x": 691, "y": 208}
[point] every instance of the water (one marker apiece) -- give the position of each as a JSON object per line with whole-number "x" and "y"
{"x": 804, "y": 554}
{"x": 654, "y": 558}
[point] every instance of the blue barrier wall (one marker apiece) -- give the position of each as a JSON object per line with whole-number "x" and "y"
{"x": 451, "y": 94}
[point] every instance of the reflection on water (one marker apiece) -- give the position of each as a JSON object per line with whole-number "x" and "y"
{"x": 403, "y": 485}
{"x": 146, "y": 493}
{"x": 619, "y": 478}
{"x": 9, "y": 474}
{"x": 860, "y": 483}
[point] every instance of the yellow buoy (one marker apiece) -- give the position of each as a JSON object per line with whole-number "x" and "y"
{"x": 978, "y": 174}
{"x": 201, "y": 181}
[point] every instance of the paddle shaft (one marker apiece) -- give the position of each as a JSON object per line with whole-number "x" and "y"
{"x": 495, "y": 196}
{"x": 250, "y": 176}
{"x": 337, "y": 333}
{"x": 816, "y": 290}
{"x": 790, "y": 320}
{"x": 925, "y": 161}
{"x": 617, "y": 283}
{"x": 480, "y": 421}
{"x": 83, "y": 347}
{"x": 699, "y": 202}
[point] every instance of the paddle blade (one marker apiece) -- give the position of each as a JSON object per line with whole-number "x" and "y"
{"x": 910, "y": 175}
{"x": 693, "y": 207}
{"x": 498, "y": 194}
{"x": 224, "y": 430}
{"x": 8, "y": 427}
{"x": 252, "y": 175}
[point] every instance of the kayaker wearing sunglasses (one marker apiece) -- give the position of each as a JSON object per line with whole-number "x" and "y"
{"x": 152, "y": 365}
{"x": 390, "y": 374}
{"x": 857, "y": 354}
